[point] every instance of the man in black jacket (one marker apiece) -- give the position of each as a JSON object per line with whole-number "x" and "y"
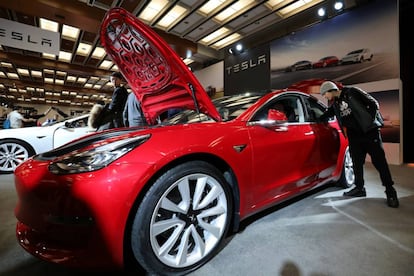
{"x": 356, "y": 111}
{"x": 114, "y": 110}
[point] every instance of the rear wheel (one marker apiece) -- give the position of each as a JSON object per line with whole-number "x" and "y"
{"x": 183, "y": 219}
{"x": 347, "y": 178}
{"x": 12, "y": 154}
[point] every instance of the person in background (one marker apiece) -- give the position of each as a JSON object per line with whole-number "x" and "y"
{"x": 132, "y": 114}
{"x": 94, "y": 114}
{"x": 363, "y": 138}
{"x": 17, "y": 120}
{"x": 33, "y": 114}
{"x": 52, "y": 120}
{"x": 60, "y": 112}
{"x": 115, "y": 109}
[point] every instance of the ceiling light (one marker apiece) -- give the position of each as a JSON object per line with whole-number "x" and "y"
{"x": 219, "y": 33}
{"x": 83, "y": 49}
{"x": 81, "y": 80}
{"x": 99, "y": 52}
{"x": 12, "y": 75}
{"x": 70, "y": 32}
{"x": 188, "y": 61}
{"x": 2, "y": 74}
{"x": 36, "y": 74}
{"x": 49, "y": 25}
{"x": 65, "y": 56}
{"x": 274, "y": 3}
{"x": 321, "y": 12}
{"x": 49, "y": 80}
{"x": 297, "y": 6}
{"x": 93, "y": 79}
{"x": 152, "y": 9}
{"x": 338, "y": 5}
{"x": 48, "y": 71}
{"x": 6, "y": 64}
{"x": 210, "y": 6}
{"x": 71, "y": 78}
{"x": 23, "y": 72}
{"x": 233, "y": 9}
{"x": 48, "y": 56}
{"x": 226, "y": 41}
{"x": 106, "y": 64}
{"x": 60, "y": 73}
{"x": 172, "y": 16}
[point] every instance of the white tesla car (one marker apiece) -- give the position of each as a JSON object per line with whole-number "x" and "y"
{"x": 16, "y": 145}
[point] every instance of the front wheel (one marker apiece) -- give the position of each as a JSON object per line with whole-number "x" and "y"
{"x": 12, "y": 154}
{"x": 183, "y": 219}
{"x": 347, "y": 178}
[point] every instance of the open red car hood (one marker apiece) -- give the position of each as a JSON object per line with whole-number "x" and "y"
{"x": 155, "y": 73}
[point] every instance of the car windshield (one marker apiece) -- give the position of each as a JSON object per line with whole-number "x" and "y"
{"x": 356, "y": 52}
{"x": 229, "y": 107}
{"x": 60, "y": 120}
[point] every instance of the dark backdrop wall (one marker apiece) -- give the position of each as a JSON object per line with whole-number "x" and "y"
{"x": 247, "y": 71}
{"x": 406, "y": 8}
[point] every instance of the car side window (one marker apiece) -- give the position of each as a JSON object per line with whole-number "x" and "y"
{"x": 314, "y": 109}
{"x": 290, "y": 105}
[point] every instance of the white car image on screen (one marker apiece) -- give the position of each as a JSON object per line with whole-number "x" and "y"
{"x": 357, "y": 56}
{"x": 18, "y": 144}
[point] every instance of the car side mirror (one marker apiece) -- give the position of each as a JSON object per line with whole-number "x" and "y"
{"x": 276, "y": 115}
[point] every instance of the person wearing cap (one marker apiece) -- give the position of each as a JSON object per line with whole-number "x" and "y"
{"x": 113, "y": 112}
{"x": 357, "y": 113}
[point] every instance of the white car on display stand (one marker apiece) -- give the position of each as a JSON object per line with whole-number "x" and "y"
{"x": 17, "y": 145}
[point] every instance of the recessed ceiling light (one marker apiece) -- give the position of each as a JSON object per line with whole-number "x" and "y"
{"x": 49, "y": 25}
{"x": 70, "y": 32}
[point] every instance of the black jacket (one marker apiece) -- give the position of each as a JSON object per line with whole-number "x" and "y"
{"x": 355, "y": 110}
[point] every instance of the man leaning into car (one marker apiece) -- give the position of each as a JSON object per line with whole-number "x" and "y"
{"x": 352, "y": 107}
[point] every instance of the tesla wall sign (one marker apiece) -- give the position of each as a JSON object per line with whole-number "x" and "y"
{"x": 27, "y": 37}
{"x": 247, "y": 71}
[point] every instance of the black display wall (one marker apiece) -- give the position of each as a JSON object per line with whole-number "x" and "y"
{"x": 406, "y": 9}
{"x": 247, "y": 71}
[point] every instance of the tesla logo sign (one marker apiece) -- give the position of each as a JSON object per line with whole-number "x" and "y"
{"x": 27, "y": 37}
{"x": 247, "y": 64}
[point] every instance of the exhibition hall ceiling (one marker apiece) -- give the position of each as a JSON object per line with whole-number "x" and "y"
{"x": 200, "y": 31}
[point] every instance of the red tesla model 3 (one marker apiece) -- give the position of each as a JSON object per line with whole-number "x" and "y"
{"x": 166, "y": 196}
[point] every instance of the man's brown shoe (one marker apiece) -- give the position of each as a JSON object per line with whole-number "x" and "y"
{"x": 356, "y": 192}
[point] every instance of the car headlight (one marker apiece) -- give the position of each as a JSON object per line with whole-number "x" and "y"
{"x": 95, "y": 158}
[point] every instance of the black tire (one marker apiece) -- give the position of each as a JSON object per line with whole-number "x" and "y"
{"x": 183, "y": 219}
{"x": 13, "y": 153}
{"x": 347, "y": 178}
